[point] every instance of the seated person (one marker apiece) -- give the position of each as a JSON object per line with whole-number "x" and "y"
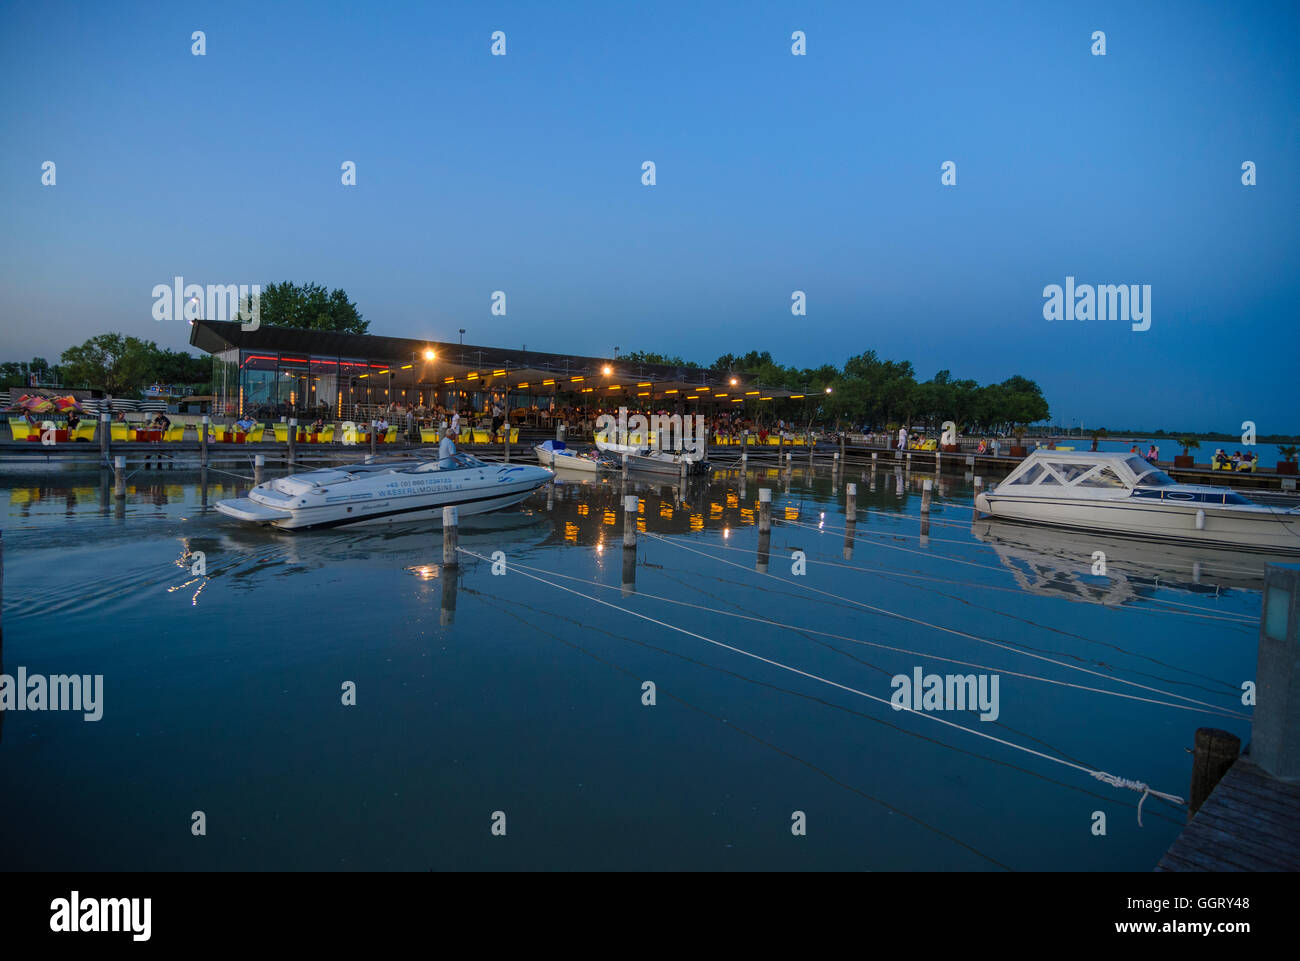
{"x": 381, "y": 425}
{"x": 1221, "y": 459}
{"x": 73, "y": 420}
{"x": 317, "y": 425}
{"x": 447, "y": 449}
{"x": 245, "y": 424}
{"x": 1236, "y": 458}
{"x": 160, "y": 422}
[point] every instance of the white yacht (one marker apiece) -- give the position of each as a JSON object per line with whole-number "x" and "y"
{"x": 386, "y": 493}
{"x": 646, "y": 458}
{"x": 1124, "y": 494}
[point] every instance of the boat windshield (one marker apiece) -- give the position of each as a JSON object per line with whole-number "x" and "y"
{"x": 1147, "y": 475}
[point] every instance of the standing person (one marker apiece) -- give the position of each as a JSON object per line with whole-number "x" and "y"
{"x": 455, "y": 423}
{"x": 410, "y": 423}
{"x": 497, "y": 418}
{"x": 902, "y": 438}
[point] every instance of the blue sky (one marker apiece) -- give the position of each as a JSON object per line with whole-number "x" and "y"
{"x": 775, "y": 173}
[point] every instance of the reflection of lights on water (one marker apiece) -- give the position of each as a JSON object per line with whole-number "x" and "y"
{"x": 600, "y": 547}
{"x": 425, "y": 572}
{"x": 821, "y": 520}
{"x": 726, "y": 532}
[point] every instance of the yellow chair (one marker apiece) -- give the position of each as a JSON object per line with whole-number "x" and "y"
{"x": 119, "y": 431}
{"x": 282, "y": 433}
{"x": 391, "y": 436}
{"x": 326, "y": 435}
{"x": 429, "y": 435}
{"x": 514, "y": 435}
{"x": 85, "y": 430}
{"x": 20, "y": 429}
{"x": 773, "y": 440}
{"x": 480, "y": 436}
{"x": 255, "y": 435}
{"x": 174, "y": 434}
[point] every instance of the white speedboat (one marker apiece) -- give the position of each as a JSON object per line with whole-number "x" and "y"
{"x": 386, "y": 493}
{"x": 1123, "y": 494}
{"x": 554, "y": 453}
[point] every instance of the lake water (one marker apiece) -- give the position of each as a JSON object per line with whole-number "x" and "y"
{"x": 522, "y": 692}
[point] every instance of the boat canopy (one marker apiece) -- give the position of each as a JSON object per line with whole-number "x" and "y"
{"x": 1086, "y": 471}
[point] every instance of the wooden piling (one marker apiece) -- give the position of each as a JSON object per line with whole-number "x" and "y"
{"x": 979, "y": 489}
{"x": 119, "y": 476}
{"x": 450, "y": 537}
{"x": 927, "y": 491}
{"x": 105, "y": 435}
{"x": 744, "y": 449}
{"x": 203, "y": 441}
{"x": 292, "y": 435}
{"x": 373, "y": 438}
{"x": 764, "y": 509}
{"x": 851, "y": 501}
{"x": 1214, "y": 753}
{"x": 259, "y": 468}
{"x": 630, "y": 503}
{"x": 625, "y": 466}
{"x": 505, "y": 439}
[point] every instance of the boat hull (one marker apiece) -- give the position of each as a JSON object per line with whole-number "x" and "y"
{"x": 560, "y": 461}
{"x": 1254, "y": 529}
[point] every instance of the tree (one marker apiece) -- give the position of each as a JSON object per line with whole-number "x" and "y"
{"x": 312, "y": 307}
{"x": 110, "y": 362}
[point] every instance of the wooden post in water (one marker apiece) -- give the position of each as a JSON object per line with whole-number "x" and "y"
{"x": 105, "y": 435}
{"x": 1214, "y": 753}
{"x": 629, "y": 573}
{"x": 203, "y": 441}
{"x": 744, "y": 449}
{"x": 851, "y": 502}
{"x": 979, "y": 489}
{"x": 764, "y": 509}
{"x": 259, "y": 468}
{"x": 505, "y": 435}
{"x": 373, "y": 438}
{"x": 292, "y": 435}
{"x": 625, "y": 466}
{"x": 927, "y": 491}
{"x": 843, "y": 435}
{"x": 629, "y": 521}
{"x": 447, "y": 609}
{"x": 550, "y": 496}
{"x": 1275, "y": 730}
{"x": 450, "y": 537}
{"x": 119, "y": 476}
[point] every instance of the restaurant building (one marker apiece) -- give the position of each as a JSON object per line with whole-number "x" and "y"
{"x": 277, "y": 371}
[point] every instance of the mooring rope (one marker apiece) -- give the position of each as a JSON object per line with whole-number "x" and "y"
{"x": 937, "y": 627}
{"x": 1101, "y": 775}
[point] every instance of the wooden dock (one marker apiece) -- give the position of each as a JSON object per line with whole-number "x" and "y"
{"x": 1251, "y": 822}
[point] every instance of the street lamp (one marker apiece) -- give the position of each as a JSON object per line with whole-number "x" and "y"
{"x": 462, "y": 336}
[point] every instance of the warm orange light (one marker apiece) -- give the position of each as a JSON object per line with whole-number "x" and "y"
{"x": 429, "y": 354}
{"x": 734, "y": 382}
{"x": 607, "y": 370}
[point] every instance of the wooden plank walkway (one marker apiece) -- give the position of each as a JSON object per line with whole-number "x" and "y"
{"x": 1251, "y": 822}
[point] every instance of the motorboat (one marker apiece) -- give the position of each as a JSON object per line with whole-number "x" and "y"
{"x": 555, "y": 454}
{"x": 644, "y": 458}
{"x": 386, "y": 492}
{"x": 1125, "y": 495}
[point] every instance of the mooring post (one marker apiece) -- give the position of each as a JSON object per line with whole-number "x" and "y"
{"x": 1214, "y": 753}
{"x": 550, "y": 496}
{"x": 292, "y": 435}
{"x": 1275, "y": 730}
{"x": 744, "y": 449}
{"x": 851, "y": 502}
{"x": 938, "y": 462}
{"x": 927, "y": 491}
{"x": 625, "y": 465}
{"x": 447, "y": 609}
{"x": 681, "y": 464}
{"x": 259, "y": 468}
{"x": 105, "y": 435}
{"x": 764, "y": 509}
{"x": 909, "y": 460}
{"x": 119, "y": 476}
{"x": 560, "y": 430}
{"x": 843, "y": 435}
{"x": 629, "y": 573}
{"x": 373, "y": 438}
{"x": 505, "y": 436}
{"x": 630, "y": 503}
{"x": 450, "y": 537}
{"x": 203, "y": 442}
{"x": 835, "y": 464}
{"x": 979, "y": 489}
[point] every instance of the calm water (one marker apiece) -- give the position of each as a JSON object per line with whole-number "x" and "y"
{"x": 522, "y": 694}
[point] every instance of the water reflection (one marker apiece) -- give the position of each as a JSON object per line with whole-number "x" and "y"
{"x": 1061, "y": 563}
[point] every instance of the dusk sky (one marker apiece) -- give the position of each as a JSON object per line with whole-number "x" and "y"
{"x": 775, "y": 173}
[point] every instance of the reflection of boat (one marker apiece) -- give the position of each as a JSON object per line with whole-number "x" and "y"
{"x": 554, "y": 453}
{"x": 385, "y": 493}
{"x": 1062, "y": 563}
{"x": 1123, "y": 494}
{"x": 654, "y": 461}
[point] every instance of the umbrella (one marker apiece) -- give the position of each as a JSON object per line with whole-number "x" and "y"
{"x": 68, "y": 403}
